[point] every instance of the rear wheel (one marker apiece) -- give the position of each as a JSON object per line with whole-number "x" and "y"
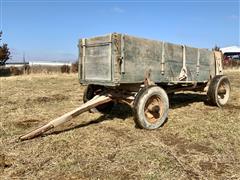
{"x": 93, "y": 90}
{"x": 219, "y": 91}
{"x": 151, "y": 107}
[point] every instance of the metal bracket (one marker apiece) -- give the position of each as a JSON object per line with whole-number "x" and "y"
{"x": 83, "y": 57}
{"x": 122, "y": 55}
{"x": 163, "y": 59}
{"x": 97, "y": 44}
{"x": 198, "y": 61}
{"x": 183, "y": 73}
{"x": 147, "y": 80}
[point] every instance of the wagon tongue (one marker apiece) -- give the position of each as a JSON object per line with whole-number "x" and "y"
{"x": 97, "y": 100}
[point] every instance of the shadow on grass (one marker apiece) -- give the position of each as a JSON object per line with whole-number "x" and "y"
{"x": 120, "y": 111}
{"x": 123, "y": 111}
{"x": 181, "y": 99}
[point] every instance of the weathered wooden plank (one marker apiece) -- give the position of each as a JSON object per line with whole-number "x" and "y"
{"x": 191, "y": 63}
{"x": 98, "y": 63}
{"x": 140, "y": 56}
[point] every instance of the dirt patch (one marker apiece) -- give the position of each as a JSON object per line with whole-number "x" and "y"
{"x": 200, "y": 148}
{"x": 173, "y": 140}
{"x": 26, "y": 123}
{"x": 11, "y": 102}
{"x": 232, "y": 107}
{"x": 59, "y": 97}
{"x": 215, "y": 167}
{"x": 45, "y": 99}
{"x": 183, "y": 146}
{"x": 177, "y": 142}
{"x": 4, "y": 162}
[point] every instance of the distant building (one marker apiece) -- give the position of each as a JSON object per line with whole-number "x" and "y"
{"x": 15, "y": 64}
{"x": 48, "y": 63}
{"x": 232, "y": 51}
{"x": 231, "y": 56}
{"x": 37, "y": 63}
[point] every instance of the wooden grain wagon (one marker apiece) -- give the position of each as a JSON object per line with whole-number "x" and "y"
{"x": 119, "y": 68}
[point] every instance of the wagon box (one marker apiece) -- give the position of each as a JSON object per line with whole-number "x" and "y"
{"x": 142, "y": 73}
{"x": 116, "y": 59}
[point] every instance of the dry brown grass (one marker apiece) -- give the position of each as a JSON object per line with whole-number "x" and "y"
{"x": 198, "y": 141}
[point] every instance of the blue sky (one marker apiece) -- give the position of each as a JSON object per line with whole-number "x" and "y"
{"x": 49, "y": 30}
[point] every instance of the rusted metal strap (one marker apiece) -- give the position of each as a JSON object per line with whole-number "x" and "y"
{"x": 97, "y": 44}
{"x": 79, "y": 60}
{"x": 163, "y": 59}
{"x": 183, "y": 74}
{"x": 198, "y": 61}
{"x": 184, "y": 57}
{"x": 83, "y": 57}
{"x": 122, "y": 55}
{"x": 147, "y": 80}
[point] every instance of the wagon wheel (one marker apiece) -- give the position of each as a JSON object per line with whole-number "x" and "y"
{"x": 151, "y": 107}
{"x": 93, "y": 90}
{"x": 219, "y": 90}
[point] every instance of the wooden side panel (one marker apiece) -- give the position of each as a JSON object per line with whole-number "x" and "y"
{"x": 207, "y": 65}
{"x": 141, "y": 56}
{"x": 98, "y": 63}
{"x": 212, "y": 64}
{"x": 173, "y": 60}
{"x": 191, "y": 63}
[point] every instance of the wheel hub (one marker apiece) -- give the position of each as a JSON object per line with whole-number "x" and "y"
{"x": 153, "y": 109}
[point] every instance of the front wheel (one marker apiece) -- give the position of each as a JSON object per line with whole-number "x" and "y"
{"x": 219, "y": 91}
{"x": 151, "y": 107}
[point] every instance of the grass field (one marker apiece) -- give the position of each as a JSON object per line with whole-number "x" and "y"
{"x": 197, "y": 142}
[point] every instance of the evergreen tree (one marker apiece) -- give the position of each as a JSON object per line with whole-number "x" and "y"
{"x": 4, "y": 52}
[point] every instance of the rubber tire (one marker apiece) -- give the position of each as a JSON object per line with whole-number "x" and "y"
{"x": 213, "y": 88}
{"x": 89, "y": 93}
{"x": 139, "y": 104}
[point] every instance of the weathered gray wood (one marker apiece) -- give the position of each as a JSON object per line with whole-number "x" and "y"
{"x": 96, "y": 58}
{"x": 131, "y": 57}
{"x": 97, "y": 100}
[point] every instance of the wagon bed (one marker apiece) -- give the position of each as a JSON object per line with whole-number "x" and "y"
{"x": 115, "y": 59}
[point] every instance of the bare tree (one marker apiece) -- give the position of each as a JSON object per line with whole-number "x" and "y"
{"x": 75, "y": 67}
{"x": 4, "y": 52}
{"x": 216, "y": 48}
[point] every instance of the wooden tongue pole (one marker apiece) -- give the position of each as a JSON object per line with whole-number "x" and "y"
{"x": 97, "y": 100}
